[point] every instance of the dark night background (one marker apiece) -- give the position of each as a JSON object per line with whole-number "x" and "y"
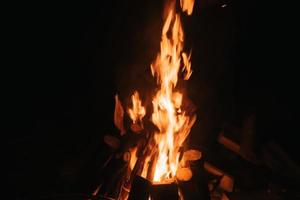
{"x": 68, "y": 61}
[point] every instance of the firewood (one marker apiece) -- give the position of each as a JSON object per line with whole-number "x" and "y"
{"x": 226, "y": 181}
{"x": 140, "y": 189}
{"x": 244, "y": 152}
{"x": 189, "y": 156}
{"x": 184, "y": 174}
{"x": 112, "y": 141}
{"x": 119, "y": 115}
{"x": 152, "y": 164}
{"x": 164, "y": 191}
{"x": 228, "y": 143}
{"x": 213, "y": 170}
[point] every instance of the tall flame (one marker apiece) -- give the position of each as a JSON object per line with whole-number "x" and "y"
{"x": 173, "y": 124}
{"x": 160, "y": 162}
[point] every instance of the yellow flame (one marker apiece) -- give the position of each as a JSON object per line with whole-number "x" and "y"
{"x": 173, "y": 124}
{"x": 137, "y": 112}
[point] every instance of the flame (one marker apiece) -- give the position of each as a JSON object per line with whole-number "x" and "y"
{"x": 161, "y": 161}
{"x": 180, "y": 195}
{"x": 133, "y": 157}
{"x": 187, "y": 6}
{"x": 173, "y": 124}
{"x": 137, "y": 112}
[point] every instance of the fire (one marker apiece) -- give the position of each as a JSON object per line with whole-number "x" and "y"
{"x": 133, "y": 158}
{"x": 174, "y": 125}
{"x": 187, "y": 5}
{"x": 162, "y": 161}
{"x": 137, "y": 112}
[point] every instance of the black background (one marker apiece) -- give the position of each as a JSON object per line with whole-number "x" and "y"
{"x": 67, "y": 61}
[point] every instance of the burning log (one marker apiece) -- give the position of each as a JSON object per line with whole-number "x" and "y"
{"x": 164, "y": 191}
{"x": 152, "y": 164}
{"x": 140, "y": 189}
{"x": 136, "y": 161}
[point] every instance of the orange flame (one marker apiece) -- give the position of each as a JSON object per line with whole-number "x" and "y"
{"x": 187, "y": 6}
{"x": 160, "y": 160}
{"x": 173, "y": 124}
{"x": 133, "y": 157}
{"x": 137, "y": 112}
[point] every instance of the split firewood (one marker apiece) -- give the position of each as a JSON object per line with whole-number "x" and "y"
{"x": 143, "y": 151}
{"x": 140, "y": 189}
{"x": 112, "y": 141}
{"x": 190, "y": 155}
{"x": 280, "y": 162}
{"x": 226, "y": 182}
{"x": 164, "y": 191}
{"x": 213, "y": 170}
{"x": 184, "y": 174}
{"x": 242, "y": 151}
{"x": 119, "y": 115}
{"x": 228, "y": 143}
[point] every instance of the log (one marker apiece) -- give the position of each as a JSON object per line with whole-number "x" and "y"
{"x": 228, "y": 143}
{"x": 140, "y": 189}
{"x": 164, "y": 191}
{"x": 226, "y": 181}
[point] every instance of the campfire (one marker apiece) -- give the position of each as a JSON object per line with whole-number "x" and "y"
{"x": 157, "y": 159}
{"x": 151, "y": 100}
